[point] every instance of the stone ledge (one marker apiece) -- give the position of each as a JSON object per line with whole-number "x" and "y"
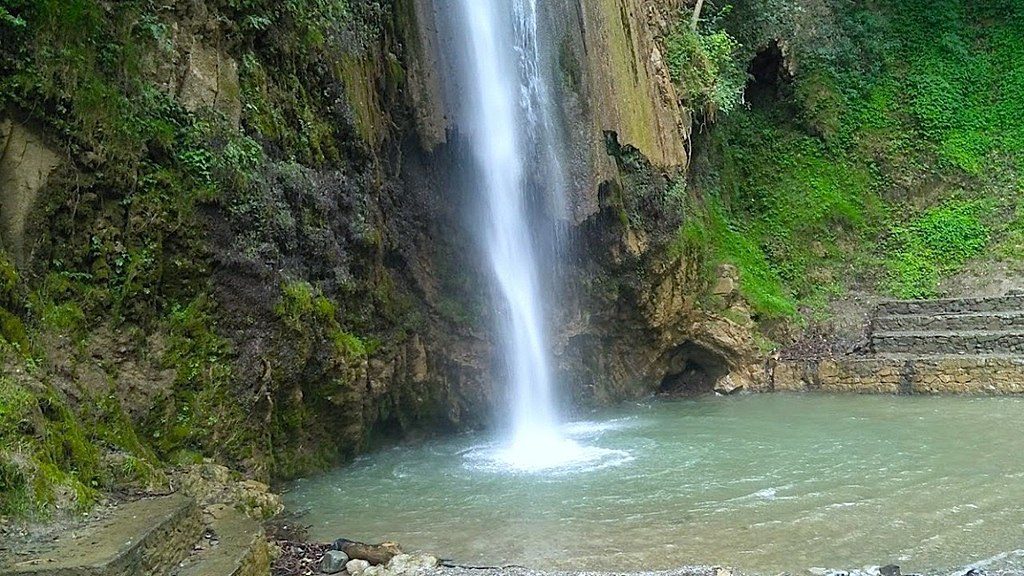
{"x": 935, "y": 342}
{"x": 141, "y": 538}
{"x": 238, "y": 547}
{"x": 968, "y": 321}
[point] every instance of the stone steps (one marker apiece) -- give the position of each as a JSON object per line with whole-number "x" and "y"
{"x": 1014, "y": 302}
{"x": 161, "y": 536}
{"x": 970, "y": 321}
{"x": 948, "y": 346}
{"x": 949, "y": 342}
{"x": 145, "y": 537}
{"x": 233, "y": 545}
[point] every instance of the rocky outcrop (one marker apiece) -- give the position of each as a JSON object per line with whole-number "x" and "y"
{"x": 641, "y": 316}
{"x": 210, "y": 80}
{"x": 212, "y": 484}
{"x": 26, "y": 161}
{"x": 614, "y": 79}
{"x": 630, "y": 320}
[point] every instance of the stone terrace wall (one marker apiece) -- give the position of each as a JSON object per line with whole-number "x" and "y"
{"x": 978, "y": 375}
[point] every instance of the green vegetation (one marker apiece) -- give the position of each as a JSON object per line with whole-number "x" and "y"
{"x": 303, "y": 309}
{"x": 890, "y": 159}
{"x": 127, "y": 249}
{"x": 703, "y": 64}
{"x": 939, "y": 240}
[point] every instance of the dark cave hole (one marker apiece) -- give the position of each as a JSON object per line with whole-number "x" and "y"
{"x": 769, "y": 79}
{"x": 693, "y": 370}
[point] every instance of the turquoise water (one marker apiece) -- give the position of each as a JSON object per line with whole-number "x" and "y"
{"x": 764, "y": 483}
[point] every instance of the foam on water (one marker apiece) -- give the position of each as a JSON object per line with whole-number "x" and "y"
{"x": 538, "y": 451}
{"x": 551, "y": 456}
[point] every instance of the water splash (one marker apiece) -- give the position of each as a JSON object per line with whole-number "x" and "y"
{"x": 563, "y": 454}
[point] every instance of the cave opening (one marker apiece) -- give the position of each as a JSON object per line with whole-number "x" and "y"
{"x": 693, "y": 370}
{"x": 768, "y": 77}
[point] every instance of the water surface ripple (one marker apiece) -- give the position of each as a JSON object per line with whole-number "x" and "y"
{"x": 763, "y": 483}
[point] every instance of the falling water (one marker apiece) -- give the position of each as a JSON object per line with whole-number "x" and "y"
{"x": 509, "y": 123}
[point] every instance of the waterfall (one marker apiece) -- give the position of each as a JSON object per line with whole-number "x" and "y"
{"x": 505, "y": 84}
{"x": 509, "y": 119}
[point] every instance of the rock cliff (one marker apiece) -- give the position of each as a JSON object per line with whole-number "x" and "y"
{"x": 233, "y": 230}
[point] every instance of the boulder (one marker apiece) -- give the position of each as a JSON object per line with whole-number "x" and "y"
{"x": 373, "y": 553}
{"x": 724, "y": 287}
{"x": 356, "y": 567}
{"x": 408, "y": 565}
{"x": 334, "y": 561}
{"x": 729, "y": 385}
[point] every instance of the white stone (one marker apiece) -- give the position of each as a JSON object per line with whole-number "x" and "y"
{"x": 409, "y": 565}
{"x": 356, "y": 567}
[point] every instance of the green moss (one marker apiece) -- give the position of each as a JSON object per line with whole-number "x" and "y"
{"x": 12, "y": 331}
{"x": 938, "y": 241}
{"x": 45, "y": 454}
{"x": 306, "y": 311}
{"x": 8, "y": 279}
{"x": 204, "y": 415}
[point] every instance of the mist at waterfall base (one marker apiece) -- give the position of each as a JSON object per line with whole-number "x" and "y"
{"x": 763, "y": 483}
{"x": 508, "y": 120}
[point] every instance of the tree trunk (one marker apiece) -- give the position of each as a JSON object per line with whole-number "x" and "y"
{"x": 696, "y": 15}
{"x": 373, "y": 553}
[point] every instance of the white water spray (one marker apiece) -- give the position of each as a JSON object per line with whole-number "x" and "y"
{"x": 512, "y": 133}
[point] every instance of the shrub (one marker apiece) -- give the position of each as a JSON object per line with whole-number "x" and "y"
{"x": 704, "y": 65}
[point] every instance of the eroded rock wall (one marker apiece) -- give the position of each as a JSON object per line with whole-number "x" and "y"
{"x": 629, "y": 308}
{"x": 614, "y": 80}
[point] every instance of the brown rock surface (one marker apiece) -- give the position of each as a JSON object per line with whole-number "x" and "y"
{"x": 26, "y": 161}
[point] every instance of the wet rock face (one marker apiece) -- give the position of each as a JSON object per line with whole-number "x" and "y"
{"x": 634, "y": 323}
{"x": 627, "y": 305}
